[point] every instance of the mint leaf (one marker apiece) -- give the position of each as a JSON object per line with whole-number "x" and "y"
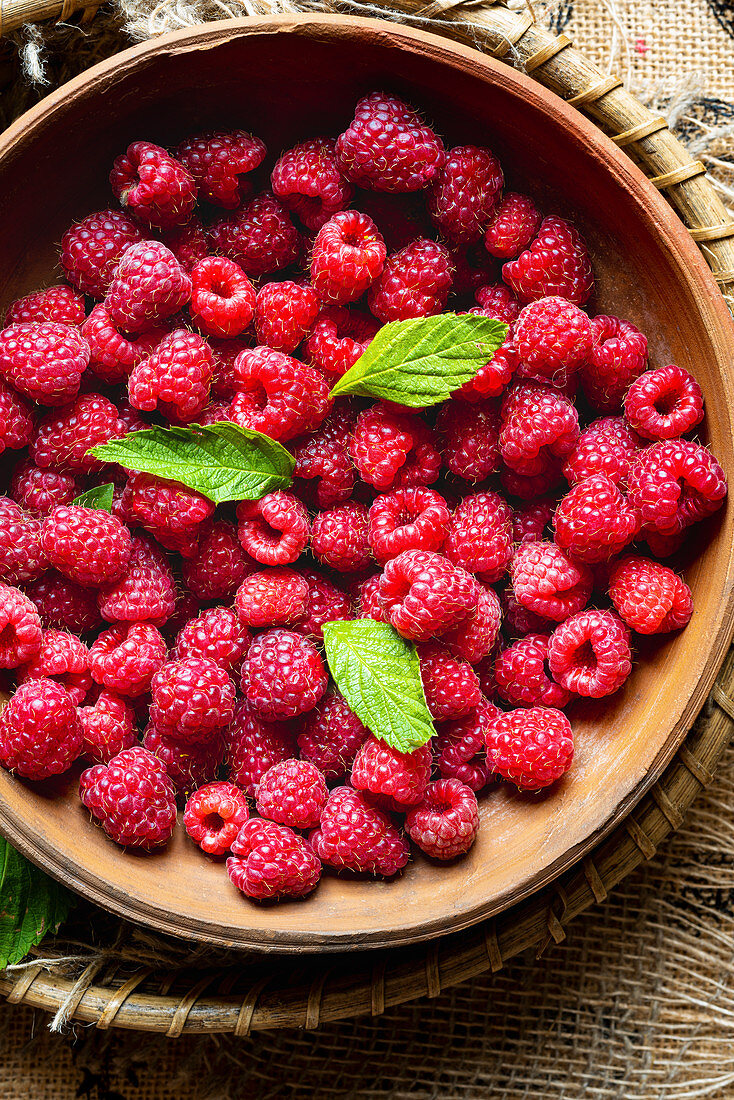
{"x": 422, "y": 361}
{"x": 222, "y": 461}
{"x": 31, "y": 905}
{"x": 99, "y": 496}
{"x": 378, "y": 674}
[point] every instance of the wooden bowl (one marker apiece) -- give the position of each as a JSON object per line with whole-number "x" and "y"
{"x": 286, "y": 78}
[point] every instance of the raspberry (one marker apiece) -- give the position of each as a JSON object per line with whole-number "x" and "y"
{"x": 530, "y": 521}
{"x": 16, "y": 420}
{"x": 91, "y": 249}
{"x": 175, "y": 378}
{"x": 496, "y": 301}
{"x": 112, "y": 354}
{"x": 356, "y": 836}
{"x": 618, "y": 356}
{"x": 470, "y": 435}
{"x": 214, "y": 815}
{"x": 557, "y": 263}
{"x": 590, "y": 653}
{"x": 222, "y": 297}
{"x": 21, "y": 558}
{"x": 674, "y": 484}
{"x": 87, "y": 545}
{"x": 173, "y": 514}
{"x": 480, "y": 535}
{"x": 186, "y": 607}
{"x": 189, "y": 243}
{"x": 40, "y": 731}
{"x": 108, "y": 727}
{"x": 254, "y": 745}
{"x": 323, "y": 457}
{"x": 292, "y": 792}
{"x": 459, "y": 750}
{"x": 63, "y": 438}
{"x": 283, "y": 675}
{"x": 330, "y": 736}
{"x": 415, "y": 282}
{"x": 399, "y": 777}
{"x": 664, "y": 403}
{"x": 146, "y": 592}
{"x": 522, "y": 676}
{"x": 369, "y": 604}
{"x": 225, "y": 352}
{"x": 513, "y": 225}
{"x": 63, "y": 605}
{"x": 271, "y": 861}
{"x": 308, "y": 180}
{"x": 43, "y": 360}
{"x": 64, "y": 659}
{"x": 475, "y": 637}
{"x": 348, "y": 255}
{"x": 518, "y": 620}
{"x": 553, "y": 338}
{"x": 260, "y": 236}
{"x": 605, "y": 447}
{"x": 662, "y": 544}
{"x": 594, "y": 521}
{"x": 214, "y": 413}
{"x": 492, "y": 378}
{"x": 393, "y": 451}
{"x": 219, "y": 565}
{"x": 547, "y": 582}
{"x": 465, "y": 193}
{"x": 125, "y": 657}
{"x": 284, "y": 314}
{"x": 217, "y": 160}
{"x": 40, "y": 491}
{"x": 408, "y": 519}
{"x": 339, "y": 537}
{"x": 56, "y": 303}
{"x": 650, "y": 598}
{"x": 338, "y": 338}
{"x": 325, "y": 603}
{"x": 473, "y": 268}
{"x": 272, "y": 597}
{"x": 539, "y": 424}
{"x": 216, "y": 634}
{"x": 192, "y": 698}
{"x": 148, "y": 285}
{"x": 188, "y": 766}
{"x": 450, "y": 684}
{"x": 425, "y": 594}
{"x": 532, "y": 748}
{"x": 277, "y": 395}
{"x": 273, "y": 530}
{"x": 154, "y": 186}
{"x": 133, "y": 799}
{"x": 529, "y": 487}
{"x": 445, "y": 824}
{"x": 388, "y": 147}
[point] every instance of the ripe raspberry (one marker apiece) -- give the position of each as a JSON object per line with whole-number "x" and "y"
{"x": 214, "y": 815}
{"x": 186, "y": 607}
{"x": 40, "y": 491}
{"x": 87, "y": 545}
{"x": 473, "y": 268}
{"x": 133, "y": 799}
{"x": 63, "y": 438}
{"x": 662, "y": 544}
{"x": 394, "y": 451}
{"x": 63, "y": 605}
{"x": 594, "y": 521}
{"x": 218, "y": 160}
{"x": 260, "y": 236}
{"x": 338, "y": 338}
{"x": 674, "y": 484}
{"x": 530, "y": 521}
{"x": 522, "y": 675}
{"x": 348, "y": 255}
{"x": 91, "y": 249}
{"x": 415, "y": 282}
{"x": 308, "y": 180}
{"x": 219, "y": 565}
{"x": 40, "y": 732}
{"x": 272, "y": 597}
{"x": 480, "y": 535}
{"x": 17, "y": 426}
{"x": 278, "y": 395}
{"x": 618, "y": 356}
{"x": 192, "y": 698}
{"x": 125, "y": 657}
{"x": 590, "y": 653}
{"x": 147, "y": 591}
{"x": 553, "y": 338}
{"x": 188, "y": 766}
{"x": 225, "y": 352}
{"x": 222, "y": 297}
{"x": 400, "y": 777}
{"x": 539, "y": 425}
{"x": 492, "y": 378}
{"x": 530, "y": 487}
{"x": 547, "y": 582}
{"x": 271, "y": 861}
{"x": 283, "y": 675}
{"x": 650, "y": 598}
{"x": 497, "y": 301}
{"x": 189, "y": 243}
{"x": 445, "y": 824}
{"x": 153, "y": 185}
{"x": 388, "y": 147}
{"x": 64, "y": 659}
{"x": 175, "y": 378}
{"x": 325, "y": 603}
{"x": 459, "y": 749}
{"x": 557, "y": 263}
{"x": 450, "y": 684}
{"x": 148, "y": 285}
{"x": 108, "y": 727}
{"x": 330, "y": 737}
{"x": 532, "y": 748}
{"x": 216, "y": 634}
{"x": 22, "y": 559}
{"x": 254, "y": 745}
{"x": 273, "y": 530}
{"x": 356, "y": 836}
{"x": 408, "y": 519}
{"x": 323, "y": 457}
{"x": 112, "y": 354}
{"x": 518, "y": 620}
{"x": 476, "y": 636}
{"x": 607, "y": 446}
{"x": 664, "y": 403}
{"x": 470, "y": 435}
{"x": 424, "y": 594}
{"x": 292, "y": 792}
{"x": 465, "y": 193}
{"x": 56, "y": 303}
{"x": 513, "y": 225}
{"x": 43, "y": 360}
{"x": 339, "y": 537}
{"x": 214, "y": 413}
{"x": 173, "y": 514}
{"x": 284, "y": 314}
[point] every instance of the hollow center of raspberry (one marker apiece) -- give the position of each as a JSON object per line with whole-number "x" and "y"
{"x": 267, "y": 535}
{"x": 222, "y": 288}
{"x": 666, "y": 402}
{"x": 258, "y": 395}
{"x": 213, "y": 822}
{"x": 585, "y": 658}
{"x": 7, "y": 636}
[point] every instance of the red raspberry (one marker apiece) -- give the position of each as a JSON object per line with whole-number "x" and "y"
{"x": 415, "y": 282}
{"x": 674, "y": 484}
{"x": 125, "y": 657}
{"x": 450, "y": 685}
{"x": 63, "y": 438}
{"x": 529, "y": 487}
{"x": 465, "y": 193}
{"x": 271, "y": 861}
{"x": 594, "y": 521}
{"x": 173, "y": 514}
{"x": 254, "y": 745}
{"x": 325, "y": 603}
{"x": 222, "y": 297}
{"x": 518, "y": 620}
{"x": 408, "y": 519}
{"x": 496, "y": 301}
{"x": 532, "y": 748}
{"x": 424, "y": 594}
{"x": 273, "y": 530}
{"x": 108, "y": 727}
{"x": 348, "y": 255}
{"x": 394, "y": 451}
{"x": 175, "y": 378}
{"x": 292, "y": 792}
{"x": 218, "y": 160}
{"x": 545, "y": 581}
{"x": 214, "y": 815}
{"x": 219, "y": 565}
{"x": 338, "y": 338}
{"x": 192, "y": 699}
{"x": 225, "y": 352}
{"x": 44, "y": 360}
{"x": 22, "y": 559}
{"x": 277, "y": 395}
{"x": 283, "y": 675}
{"x": 147, "y": 591}
{"x": 188, "y": 766}
{"x": 399, "y": 777}
{"x": 40, "y": 491}
{"x": 64, "y": 605}
{"x": 148, "y": 285}
{"x": 16, "y": 420}
{"x": 91, "y": 249}
{"x": 445, "y": 824}
{"x": 473, "y": 267}
{"x": 189, "y": 243}
{"x": 154, "y": 186}
{"x": 480, "y": 535}
{"x": 323, "y": 457}
{"x": 553, "y": 338}
{"x": 113, "y": 355}
{"x": 133, "y": 799}
{"x": 357, "y": 836}
{"x": 260, "y": 236}
{"x": 605, "y": 447}
{"x": 87, "y": 545}
{"x": 650, "y": 598}
{"x": 308, "y": 180}
{"x": 492, "y": 378}
{"x": 388, "y": 147}
{"x": 40, "y": 732}
{"x": 284, "y": 314}
{"x": 662, "y": 544}
{"x": 369, "y": 604}
{"x": 475, "y": 637}
{"x": 339, "y": 537}
{"x": 63, "y": 658}
{"x": 214, "y": 413}
{"x": 216, "y": 634}
{"x": 470, "y": 436}
{"x": 590, "y": 653}
{"x": 530, "y": 521}
{"x": 664, "y": 403}
{"x": 514, "y": 223}
{"x": 330, "y": 737}
{"x": 618, "y": 356}
{"x": 56, "y": 303}
{"x": 539, "y": 425}
{"x": 557, "y": 263}
{"x": 459, "y": 750}
{"x": 522, "y": 676}
{"x": 272, "y": 597}
{"x": 186, "y": 607}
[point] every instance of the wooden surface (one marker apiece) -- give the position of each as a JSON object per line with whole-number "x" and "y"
{"x": 284, "y": 78}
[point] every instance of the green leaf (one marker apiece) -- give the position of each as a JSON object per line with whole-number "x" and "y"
{"x": 99, "y": 496}
{"x": 422, "y": 361}
{"x": 378, "y": 673}
{"x": 31, "y": 905}
{"x": 222, "y": 461}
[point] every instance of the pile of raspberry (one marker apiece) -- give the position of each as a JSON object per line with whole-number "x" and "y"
{"x": 514, "y": 534}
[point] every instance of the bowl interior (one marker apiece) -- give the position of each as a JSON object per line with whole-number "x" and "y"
{"x": 285, "y": 79}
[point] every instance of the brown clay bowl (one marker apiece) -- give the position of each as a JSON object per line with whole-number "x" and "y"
{"x": 286, "y": 78}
